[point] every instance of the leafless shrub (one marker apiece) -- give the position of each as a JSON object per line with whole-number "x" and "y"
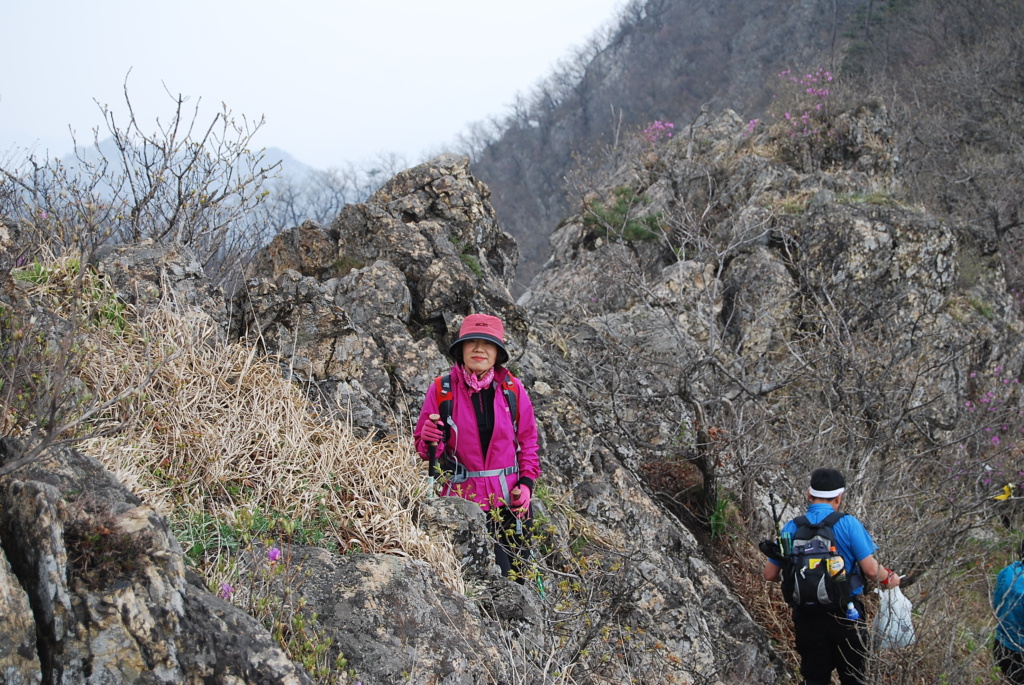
{"x": 188, "y": 182}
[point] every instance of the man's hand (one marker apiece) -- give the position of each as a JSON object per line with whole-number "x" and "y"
{"x": 770, "y": 548}
{"x": 888, "y": 579}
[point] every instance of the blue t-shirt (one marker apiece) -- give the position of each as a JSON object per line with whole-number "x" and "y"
{"x": 1009, "y": 607}
{"x": 853, "y": 542}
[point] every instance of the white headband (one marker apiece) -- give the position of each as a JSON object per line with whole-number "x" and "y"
{"x": 826, "y": 494}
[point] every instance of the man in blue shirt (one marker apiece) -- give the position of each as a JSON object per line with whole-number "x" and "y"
{"x": 1008, "y": 602}
{"x": 829, "y": 641}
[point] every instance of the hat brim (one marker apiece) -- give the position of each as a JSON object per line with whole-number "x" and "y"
{"x": 453, "y": 349}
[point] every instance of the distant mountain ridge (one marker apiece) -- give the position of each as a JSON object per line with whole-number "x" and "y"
{"x": 290, "y": 166}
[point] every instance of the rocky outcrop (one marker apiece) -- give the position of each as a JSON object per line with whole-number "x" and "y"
{"x": 782, "y": 250}
{"x": 659, "y": 339}
{"x": 19, "y": 660}
{"x": 361, "y": 310}
{"x": 424, "y": 250}
{"x": 395, "y": 620}
{"x": 655, "y": 64}
{"x": 789, "y": 313}
{"x": 95, "y": 589}
{"x": 143, "y": 274}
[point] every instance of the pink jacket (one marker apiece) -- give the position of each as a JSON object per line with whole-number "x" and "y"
{"x": 501, "y": 452}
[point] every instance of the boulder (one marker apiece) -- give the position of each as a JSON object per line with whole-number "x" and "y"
{"x": 394, "y": 620}
{"x": 19, "y": 658}
{"x": 110, "y": 598}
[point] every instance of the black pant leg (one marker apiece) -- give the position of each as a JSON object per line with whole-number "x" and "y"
{"x": 827, "y": 642}
{"x": 851, "y": 652}
{"x": 511, "y": 541}
{"x": 814, "y": 648}
{"x": 1011, "y": 663}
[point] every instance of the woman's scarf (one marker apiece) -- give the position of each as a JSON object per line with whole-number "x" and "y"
{"x": 477, "y": 384}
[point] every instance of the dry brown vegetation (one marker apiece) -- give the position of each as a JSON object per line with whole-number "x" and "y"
{"x": 207, "y": 430}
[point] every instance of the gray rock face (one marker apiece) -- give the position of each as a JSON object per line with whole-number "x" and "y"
{"x": 358, "y": 309}
{"x": 464, "y": 524}
{"x": 108, "y": 594}
{"x": 19, "y": 660}
{"x": 142, "y": 274}
{"x": 433, "y": 223}
{"x": 397, "y": 621}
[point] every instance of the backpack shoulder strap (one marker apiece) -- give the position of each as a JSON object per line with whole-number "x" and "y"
{"x": 823, "y": 529}
{"x": 832, "y": 519}
{"x": 444, "y": 394}
{"x": 805, "y": 530}
{"x": 510, "y": 389}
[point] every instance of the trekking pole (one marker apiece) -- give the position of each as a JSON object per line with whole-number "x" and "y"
{"x": 541, "y": 590}
{"x": 775, "y": 514}
{"x": 785, "y": 545}
{"x": 432, "y": 457}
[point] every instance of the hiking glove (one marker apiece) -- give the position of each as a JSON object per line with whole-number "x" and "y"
{"x": 431, "y": 432}
{"x": 521, "y": 500}
{"x": 770, "y": 548}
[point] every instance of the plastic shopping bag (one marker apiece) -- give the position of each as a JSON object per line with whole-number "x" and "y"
{"x": 893, "y": 625}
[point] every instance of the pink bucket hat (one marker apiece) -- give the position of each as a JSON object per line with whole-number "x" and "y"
{"x": 481, "y": 327}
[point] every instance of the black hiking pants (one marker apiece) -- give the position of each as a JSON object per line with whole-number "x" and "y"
{"x": 828, "y": 642}
{"x": 1011, "y": 663}
{"x": 511, "y": 541}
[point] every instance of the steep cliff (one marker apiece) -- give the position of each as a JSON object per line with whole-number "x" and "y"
{"x": 665, "y": 60}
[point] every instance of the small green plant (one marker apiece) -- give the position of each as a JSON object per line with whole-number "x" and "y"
{"x": 982, "y": 307}
{"x": 792, "y": 205}
{"x": 37, "y": 273}
{"x": 879, "y": 199}
{"x": 578, "y": 544}
{"x": 473, "y": 263}
{"x": 718, "y": 516}
{"x": 344, "y": 264}
{"x": 111, "y": 312}
{"x": 722, "y": 520}
{"x": 264, "y": 581}
{"x": 972, "y": 268}
{"x": 428, "y": 330}
{"x": 618, "y": 219}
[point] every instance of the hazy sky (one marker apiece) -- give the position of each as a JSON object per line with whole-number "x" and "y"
{"x": 337, "y": 80}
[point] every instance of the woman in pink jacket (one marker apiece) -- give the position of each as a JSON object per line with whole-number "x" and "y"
{"x": 487, "y": 449}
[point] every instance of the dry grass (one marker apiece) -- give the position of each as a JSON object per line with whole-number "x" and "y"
{"x": 218, "y": 431}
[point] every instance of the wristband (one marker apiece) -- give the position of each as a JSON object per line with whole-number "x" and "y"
{"x": 888, "y": 577}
